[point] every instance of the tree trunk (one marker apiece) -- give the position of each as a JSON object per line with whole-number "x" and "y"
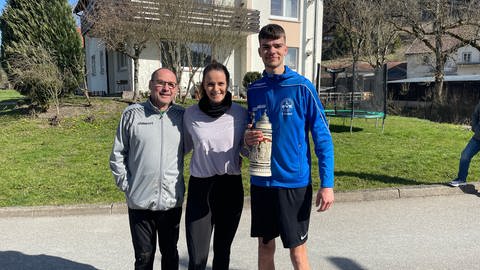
{"x": 439, "y": 95}
{"x": 136, "y": 91}
{"x": 439, "y": 56}
{"x": 190, "y": 81}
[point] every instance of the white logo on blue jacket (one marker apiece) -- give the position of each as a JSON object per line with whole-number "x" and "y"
{"x": 287, "y": 106}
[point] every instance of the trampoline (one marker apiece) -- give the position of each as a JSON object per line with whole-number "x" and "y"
{"x": 357, "y": 114}
{"x": 367, "y": 102}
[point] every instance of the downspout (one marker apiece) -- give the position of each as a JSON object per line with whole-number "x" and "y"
{"x": 314, "y": 49}
{"x": 107, "y": 70}
{"x": 302, "y": 57}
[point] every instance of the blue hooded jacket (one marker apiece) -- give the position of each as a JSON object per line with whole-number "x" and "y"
{"x": 294, "y": 109}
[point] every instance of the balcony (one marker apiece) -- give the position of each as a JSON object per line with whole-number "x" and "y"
{"x": 187, "y": 12}
{"x": 469, "y": 63}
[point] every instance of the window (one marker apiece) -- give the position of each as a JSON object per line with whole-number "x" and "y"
{"x": 426, "y": 60}
{"x": 291, "y": 59}
{"x": 94, "y": 66}
{"x": 467, "y": 57}
{"x": 199, "y": 54}
{"x": 102, "y": 63}
{"x": 121, "y": 61}
{"x": 194, "y": 54}
{"x": 284, "y": 8}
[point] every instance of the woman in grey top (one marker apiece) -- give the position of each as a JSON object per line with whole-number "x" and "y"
{"x": 214, "y": 127}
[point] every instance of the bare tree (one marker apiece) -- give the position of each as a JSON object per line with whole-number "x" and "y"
{"x": 198, "y": 34}
{"x": 363, "y": 23}
{"x": 379, "y": 43}
{"x": 442, "y": 26}
{"x": 123, "y": 26}
{"x": 356, "y": 21}
{"x": 39, "y": 78}
{"x": 381, "y": 37}
{"x": 128, "y": 25}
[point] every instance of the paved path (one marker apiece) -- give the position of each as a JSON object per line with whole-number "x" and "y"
{"x": 437, "y": 232}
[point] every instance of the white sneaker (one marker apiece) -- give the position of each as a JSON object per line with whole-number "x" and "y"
{"x": 456, "y": 183}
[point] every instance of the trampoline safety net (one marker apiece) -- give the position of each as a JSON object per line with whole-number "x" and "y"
{"x": 367, "y": 101}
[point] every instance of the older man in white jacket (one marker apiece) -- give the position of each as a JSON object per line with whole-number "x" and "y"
{"x": 147, "y": 164}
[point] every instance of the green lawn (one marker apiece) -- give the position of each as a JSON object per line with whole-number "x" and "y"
{"x": 410, "y": 151}
{"x": 9, "y": 94}
{"x": 8, "y": 99}
{"x": 68, "y": 164}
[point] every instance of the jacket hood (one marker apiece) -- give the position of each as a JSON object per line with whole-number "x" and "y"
{"x": 287, "y": 74}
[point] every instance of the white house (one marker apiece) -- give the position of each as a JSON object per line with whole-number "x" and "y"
{"x": 110, "y": 72}
{"x": 466, "y": 61}
{"x": 461, "y": 80}
{"x": 463, "y": 64}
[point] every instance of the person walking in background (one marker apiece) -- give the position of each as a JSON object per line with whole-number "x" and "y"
{"x": 215, "y": 128}
{"x": 470, "y": 150}
{"x": 281, "y": 203}
{"x": 147, "y": 164}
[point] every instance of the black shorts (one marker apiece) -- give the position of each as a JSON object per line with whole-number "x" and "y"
{"x": 283, "y": 212}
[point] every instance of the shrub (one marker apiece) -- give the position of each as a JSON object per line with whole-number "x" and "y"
{"x": 38, "y": 78}
{"x": 250, "y": 77}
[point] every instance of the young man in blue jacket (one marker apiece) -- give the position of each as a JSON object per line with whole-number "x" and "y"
{"x": 281, "y": 203}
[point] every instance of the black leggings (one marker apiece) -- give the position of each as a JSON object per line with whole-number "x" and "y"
{"x": 212, "y": 203}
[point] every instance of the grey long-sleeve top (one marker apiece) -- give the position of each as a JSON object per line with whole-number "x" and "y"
{"x": 216, "y": 142}
{"x": 147, "y": 157}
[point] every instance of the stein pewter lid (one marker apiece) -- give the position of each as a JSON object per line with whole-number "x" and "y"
{"x": 264, "y": 122}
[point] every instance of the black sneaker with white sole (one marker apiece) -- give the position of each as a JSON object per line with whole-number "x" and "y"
{"x": 456, "y": 183}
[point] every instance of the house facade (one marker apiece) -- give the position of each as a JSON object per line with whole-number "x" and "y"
{"x": 461, "y": 72}
{"x": 461, "y": 83}
{"x": 461, "y": 65}
{"x": 466, "y": 61}
{"x": 110, "y": 72}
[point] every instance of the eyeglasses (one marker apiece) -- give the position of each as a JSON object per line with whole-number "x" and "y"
{"x": 164, "y": 83}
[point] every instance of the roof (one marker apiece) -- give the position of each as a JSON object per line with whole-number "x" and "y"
{"x": 419, "y": 47}
{"x": 360, "y": 65}
{"x": 396, "y": 69}
{"x": 447, "y": 78}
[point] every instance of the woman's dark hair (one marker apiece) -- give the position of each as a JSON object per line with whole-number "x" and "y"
{"x": 214, "y": 65}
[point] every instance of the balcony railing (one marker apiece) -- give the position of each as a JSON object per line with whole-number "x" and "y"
{"x": 470, "y": 63}
{"x": 185, "y": 12}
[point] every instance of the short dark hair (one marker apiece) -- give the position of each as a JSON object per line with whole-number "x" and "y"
{"x": 271, "y": 31}
{"x": 214, "y": 65}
